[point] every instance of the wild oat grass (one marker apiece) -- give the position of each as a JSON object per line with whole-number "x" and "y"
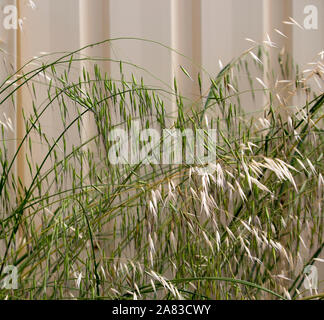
{"x": 81, "y": 227}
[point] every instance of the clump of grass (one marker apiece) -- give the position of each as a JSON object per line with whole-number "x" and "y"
{"x": 81, "y": 227}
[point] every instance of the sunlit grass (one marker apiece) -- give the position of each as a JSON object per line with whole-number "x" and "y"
{"x": 84, "y": 228}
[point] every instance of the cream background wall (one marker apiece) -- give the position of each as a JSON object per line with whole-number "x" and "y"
{"x": 205, "y": 31}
